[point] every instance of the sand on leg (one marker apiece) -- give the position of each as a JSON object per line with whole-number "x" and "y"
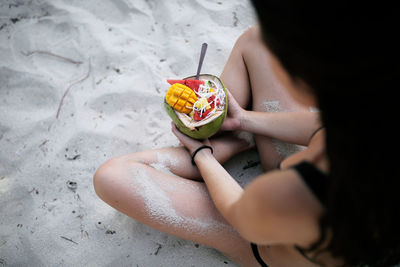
{"x": 147, "y": 187}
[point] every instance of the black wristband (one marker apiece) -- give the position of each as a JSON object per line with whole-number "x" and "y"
{"x": 198, "y": 149}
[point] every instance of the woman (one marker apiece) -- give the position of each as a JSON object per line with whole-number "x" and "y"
{"x": 329, "y": 204}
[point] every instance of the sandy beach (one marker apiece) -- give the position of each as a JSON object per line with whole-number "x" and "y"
{"x": 82, "y": 82}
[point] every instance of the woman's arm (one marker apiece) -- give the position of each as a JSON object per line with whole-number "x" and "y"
{"x": 223, "y": 189}
{"x": 291, "y": 127}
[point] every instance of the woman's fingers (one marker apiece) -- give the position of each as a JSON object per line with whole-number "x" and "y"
{"x": 232, "y": 121}
{"x": 190, "y": 143}
{"x": 231, "y": 100}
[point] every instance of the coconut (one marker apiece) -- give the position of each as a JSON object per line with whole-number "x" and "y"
{"x": 200, "y": 129}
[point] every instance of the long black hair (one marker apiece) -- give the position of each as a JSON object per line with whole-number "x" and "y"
{"x": 347, "y": 54}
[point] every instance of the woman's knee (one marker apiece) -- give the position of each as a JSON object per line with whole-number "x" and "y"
{"x": 104, "y": 176}
{"x": 111, "y": 176}
{"x": 249, "y": 38}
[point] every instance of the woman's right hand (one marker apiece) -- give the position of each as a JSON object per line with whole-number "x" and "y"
{"x": 235, "y": 114}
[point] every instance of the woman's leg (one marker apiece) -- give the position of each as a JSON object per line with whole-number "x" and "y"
{"x": 149, "y": 187}
{"x": 250, "y": 79}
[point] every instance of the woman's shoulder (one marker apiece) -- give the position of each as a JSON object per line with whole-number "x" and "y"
{"x": 282, "y": 209}
{"x": 281, "y": 199}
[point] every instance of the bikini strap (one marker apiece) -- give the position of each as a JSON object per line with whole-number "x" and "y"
{"x": 256, "y": 254}
{"x": 315, "y": 132}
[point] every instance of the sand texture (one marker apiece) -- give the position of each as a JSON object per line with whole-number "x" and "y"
{"x": 84, "y": 81}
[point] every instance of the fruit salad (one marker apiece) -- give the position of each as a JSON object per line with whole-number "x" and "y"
{"x": 197, "y": 99}
{"x": 197, "y": 105}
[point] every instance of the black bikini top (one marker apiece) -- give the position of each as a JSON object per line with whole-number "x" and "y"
{"x": 316, "y": 180}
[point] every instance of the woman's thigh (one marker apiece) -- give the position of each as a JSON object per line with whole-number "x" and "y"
{"x": 149, "y": 192}
{"x": 250, "y": 79}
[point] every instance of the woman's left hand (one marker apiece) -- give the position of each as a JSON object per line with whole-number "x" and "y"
{"x": 190, "y": 143}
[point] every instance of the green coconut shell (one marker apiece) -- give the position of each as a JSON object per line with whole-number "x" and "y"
{"x": 209, "y": 129}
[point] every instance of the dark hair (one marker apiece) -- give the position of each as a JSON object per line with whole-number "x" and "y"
{"x": 347, "y": 55}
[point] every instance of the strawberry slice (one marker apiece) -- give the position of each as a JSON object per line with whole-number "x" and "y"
{"x": 212, "y": 101}
{"x": 197, "y": 116}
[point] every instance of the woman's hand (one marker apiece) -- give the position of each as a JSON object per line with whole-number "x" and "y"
{"x": 235, "y": 114}
{"x": 190, "y": 143}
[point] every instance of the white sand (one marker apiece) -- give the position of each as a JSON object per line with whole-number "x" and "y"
{"x": 112, "y": 58}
